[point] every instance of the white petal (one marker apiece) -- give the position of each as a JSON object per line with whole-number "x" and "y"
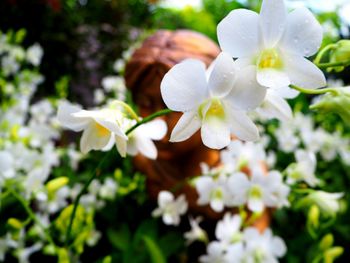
{"x": 146, "y": 147}
{"x": 91, "y": 141}
{"x": 303, "y": 34}
{"x": 255, "y": 204}
{"x": 217, "y": 205}
{"x": 155, "y": 129}
{"x": 239, "y": 33}
{"x": 164, "y": 198}
{"x": 204, "y": 185}
{"x": 275, "y": 106}
{"x": 272, "y": 19}
{"x": 169, "y": 219}
{"x": 278, "y": 247}
{"x": 185, "y": 85}
{"x": 303, "y": 72}
{"x": 272, "y": 78}
{"x": 243, "y": 127}
{"x": 246, "y": 93}
{"x": 121, "y": 145}
{"x": 111, "y": 126}
{"x": 187, "y": 125}
{"x": 287, "y": 92}
{"x": 241, "y": 63}
{"x": 215, "y": 133}
{"x": 222, "y": 76}
{"x": 64, "y": 116}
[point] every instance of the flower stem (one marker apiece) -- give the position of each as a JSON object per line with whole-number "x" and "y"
{"x": 81, "y": 193}
{"x": 312, "y": 91}
{"x": 32, "y": 216}
{"x": 323, "y": 52}
{"x": 334, "y": 64}
{"x": 148, "y": 119}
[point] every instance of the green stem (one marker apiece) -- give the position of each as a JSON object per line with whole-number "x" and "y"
{"x": 81, "y": 193}
{"x": 323, "y": 52}
{"x": 32, "y": 216}
{"x": 312, "y": 91}
{"x": 94, "y": 174}
{"x": 333, "y": 64}
{"x": 148, "y": 118}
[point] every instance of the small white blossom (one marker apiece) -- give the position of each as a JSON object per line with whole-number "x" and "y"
{"x": 170, "y": 208}
{"x": 196, "y": 233}
{"x": 35, "y": 54}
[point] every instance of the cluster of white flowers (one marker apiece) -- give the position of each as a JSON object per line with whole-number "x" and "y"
{"x": 235, "y": 246}
{"x": 270, "y": 50}
{"x": 230, "y": 186}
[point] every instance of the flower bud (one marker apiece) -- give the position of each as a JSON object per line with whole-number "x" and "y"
{"x": 341, "y": 53}
{"x": 336, "y": 101}
{"x": 314, "y": 216}
{"x": 14, "y": 223}
{"x": 326, "y": 242}
{"x": 331, "y": 254}
{"x": 55, "y": 184}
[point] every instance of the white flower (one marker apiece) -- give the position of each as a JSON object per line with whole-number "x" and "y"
{"x": 263, "y": 248}
{"x": 196, "y": 232}
{"x": 169, "y": 208}
{"x": 327, "y": 202}
{"x": 6, "y": 165}
{"x": 216, "y": 104}
{"x": 248, "y": 154}
{"x": 258, "y": 191}
{"x": 35, "y": 54}
{"x": 218, "y": 252}
{"x": 276, "y": 43}
{"x": 228, "y": 229}
{"x": 109, "y": 189}
{"x": 25, "y": 253}
{"x": 215, "y": 253}
{"x": 213, "y": 192}
{"x": 99, "y": 127}
{"x": 140, "y": 139}
{"x": 304, "y": 169}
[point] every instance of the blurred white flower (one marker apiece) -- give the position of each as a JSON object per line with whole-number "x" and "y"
{"x": 35, "y": 54}
{"x": 108, "y": 189}
{"x": 214, "y": 104}
{"x": 227, "y": 230}
{"x": 9, "y": 65}
{"x": 170, "y": 208}
{"x": 99, "y": 96}
{"x": 216, "y": 252}
{"x": 276, "y": 43}
{"x": 196, "y": 233}
{"x": 327, "y": 202}
{"x": 99, "y": 127}
{"x": 6, "y": 165}
{"x": 304, "y": 169}
{"x": 213, "y": 191}
{"x": 263, "y": 247}
{"x": 25, "y": 253}
{"x": 141, "y": 139}
{"x": 258, "y": 191}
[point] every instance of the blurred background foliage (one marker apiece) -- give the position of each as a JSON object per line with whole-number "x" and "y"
{"x": 81, "y": 40}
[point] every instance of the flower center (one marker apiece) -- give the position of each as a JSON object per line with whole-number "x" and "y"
{"x": 215, "y": 110}
{"x": 255, "y": 192}
{"x": 101, "y": 131}
{"x": 270, "y": 59}
{"x": 217, "y": 194}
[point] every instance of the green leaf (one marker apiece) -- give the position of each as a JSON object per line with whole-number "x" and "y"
{"x": 155, "y": 252}
{"x": 171, "y": 243}
{"x": 120, "y": 238}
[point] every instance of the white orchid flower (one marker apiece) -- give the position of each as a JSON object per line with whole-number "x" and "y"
{"x": 196, "y": 232}
{"x": 141, "y": 139}
{"x": 213, "y": 191}
{"x": 276, "y": 43}
{"x": 228, "y": 229}
{"x": 263, "y": 247}
{"x": 99, "y": 127}
{"x": 304, "y": 169}
{"x": 258, "y": 191}
{"x": 170, "y": 208}
{"x": 327, "y": 202}
{"x": 216, "y": 104}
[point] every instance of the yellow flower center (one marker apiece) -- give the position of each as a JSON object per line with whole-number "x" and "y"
{"x": 269, "y": 59}
{"x": 255, "y": 192}
{"x": 215, "y": 110}
{"x": 101, "y": 131}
